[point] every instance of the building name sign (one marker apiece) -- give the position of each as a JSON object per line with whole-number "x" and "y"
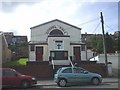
{"x": 55, "y": 27}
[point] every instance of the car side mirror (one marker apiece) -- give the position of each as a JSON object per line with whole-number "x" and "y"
{"x": 85, "y": 72}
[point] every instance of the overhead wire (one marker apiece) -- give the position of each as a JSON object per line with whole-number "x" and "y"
{"x": 109, "y": 27}
{"x": 96, "y": 27}
{"x": 90, "y": 21}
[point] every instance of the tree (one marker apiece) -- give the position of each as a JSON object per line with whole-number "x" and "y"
{"x": 112, "y": 43}
{"x": 97, "y": 43}
{"x": 100, "y": 45}
{"x": 117, "y": 44}
{"x": 109, "y": 43}
{"x": 19, "y": 50}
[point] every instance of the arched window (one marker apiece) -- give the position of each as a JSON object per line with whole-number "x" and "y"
{"x": 56, "y": 32}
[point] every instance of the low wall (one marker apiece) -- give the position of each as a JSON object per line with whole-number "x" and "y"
{"x": 114, "y": 59}
{"x": 95, "y": 68}
{"x": 37, "y": 69}
{"x": 44, "y": 71}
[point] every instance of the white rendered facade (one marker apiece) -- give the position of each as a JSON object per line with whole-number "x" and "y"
{"x": 55, "y": 40}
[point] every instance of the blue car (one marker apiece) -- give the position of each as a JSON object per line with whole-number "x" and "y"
{"x": 66, "y": 75}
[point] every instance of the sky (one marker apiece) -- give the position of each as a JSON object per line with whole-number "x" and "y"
{"x": 19, "y": 16}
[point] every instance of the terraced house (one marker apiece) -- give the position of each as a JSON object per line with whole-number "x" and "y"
{"x": 57, "y": 41}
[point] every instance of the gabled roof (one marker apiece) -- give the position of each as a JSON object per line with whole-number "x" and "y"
{"x": 58, "y": 21}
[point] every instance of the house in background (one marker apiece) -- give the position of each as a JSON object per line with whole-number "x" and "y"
{"x": 5, "y": 53}
{"x": 14, "y": 39}
{"x": 58, "y": 41}
{"x": 19, "y": 40}
{"x": 8, "y": 36}
{"x": 17, "y": 44}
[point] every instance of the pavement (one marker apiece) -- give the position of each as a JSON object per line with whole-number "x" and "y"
{"x": 110, "y": 80}
{"x": 51, "y": 81}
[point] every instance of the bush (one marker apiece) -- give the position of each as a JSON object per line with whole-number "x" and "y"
{"x": 19, "y": 62}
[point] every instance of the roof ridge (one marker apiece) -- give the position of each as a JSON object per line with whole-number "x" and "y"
{"x": 53, "y": 21}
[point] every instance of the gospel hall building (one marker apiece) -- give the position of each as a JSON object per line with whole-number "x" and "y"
{"x": 56, "y": 40}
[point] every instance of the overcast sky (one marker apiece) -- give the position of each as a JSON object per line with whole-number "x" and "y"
{"x": 19, "y": 16}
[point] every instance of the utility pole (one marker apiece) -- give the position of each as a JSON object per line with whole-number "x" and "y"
{"x": 104, "y": 42}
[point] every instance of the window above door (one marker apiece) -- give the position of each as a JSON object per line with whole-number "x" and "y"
{"x": 56, "y": 32}
{"x": 59, "y": 45}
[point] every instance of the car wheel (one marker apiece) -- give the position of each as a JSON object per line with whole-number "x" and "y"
{"x": 25, "y": 84}
{"x": 95, "y": 81}
{"x": 62, "y": 83}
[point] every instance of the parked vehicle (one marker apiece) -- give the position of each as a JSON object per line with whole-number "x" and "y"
{"x": 12, "y": 78}
{"x": 66, "y": 75}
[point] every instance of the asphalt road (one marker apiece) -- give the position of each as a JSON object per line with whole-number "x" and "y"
{"x": 102, "y": 86}
{"x": 107, "y": 84}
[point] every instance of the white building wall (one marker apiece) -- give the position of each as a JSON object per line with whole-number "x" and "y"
{"x": 66, "y": 47}
{"x": 66, "y": 43}
{"x": 111, "y": 58}
{"x": 45, "y": 54}
{"x": 89, "y": 55}
{"x": 61, "y": 62}
{"x": 40, "y": 33}
{"x": 83, "y": 55}
{"x": 114, "y": 59}
{"x": 32, "y": 56}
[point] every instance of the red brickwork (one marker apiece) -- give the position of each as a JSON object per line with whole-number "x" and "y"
{"x": 45, "y": 71}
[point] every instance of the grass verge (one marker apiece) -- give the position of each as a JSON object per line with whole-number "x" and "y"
{"x": 19, "y": 62}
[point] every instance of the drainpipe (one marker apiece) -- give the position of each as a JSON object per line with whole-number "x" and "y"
{"x": 86, "y": 49}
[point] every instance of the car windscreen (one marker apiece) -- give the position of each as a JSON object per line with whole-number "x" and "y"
{"x": 67, "y": 70}
{"x": 58, "y": 70}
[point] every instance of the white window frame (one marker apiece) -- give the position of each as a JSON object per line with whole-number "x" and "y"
{"x": 62, "y": 45}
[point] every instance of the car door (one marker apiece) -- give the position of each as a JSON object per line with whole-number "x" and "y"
{"x": 68, "y": 74}
{"x": 76, "y": 74}
{"x": 10, "y": 78}
{"x": 80, "y": 75}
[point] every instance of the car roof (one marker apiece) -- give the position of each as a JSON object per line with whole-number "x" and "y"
{"x": 69, "y": 67}
{"x": 63, "y": 68}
